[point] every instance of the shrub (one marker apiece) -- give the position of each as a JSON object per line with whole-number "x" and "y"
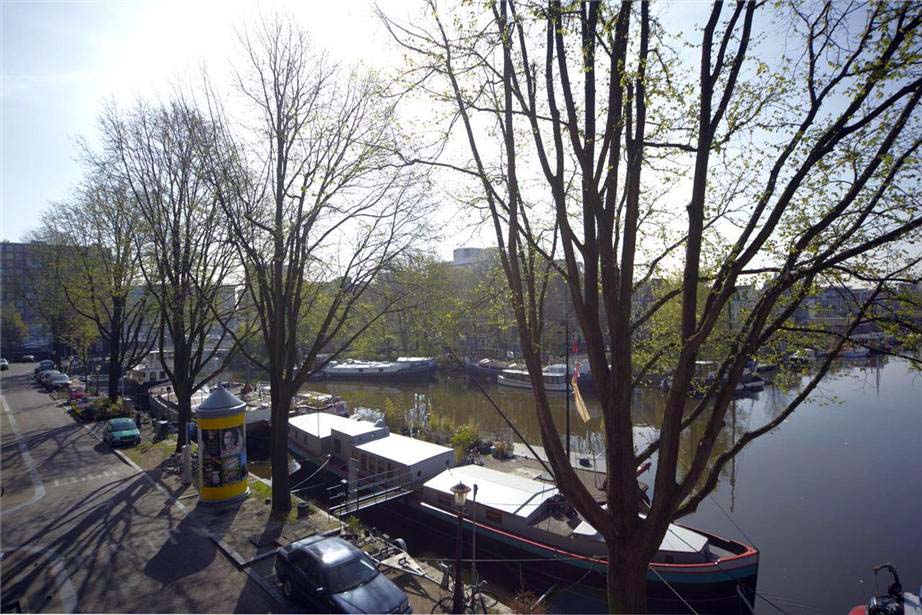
{"x": 465, "y": 438}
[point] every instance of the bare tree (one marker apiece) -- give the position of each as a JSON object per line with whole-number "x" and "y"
{"x": 161, "y": 155}
{"x": 99, "y": 273}
{"x": 719, "y": 168}
{"x": 316, "y": 207}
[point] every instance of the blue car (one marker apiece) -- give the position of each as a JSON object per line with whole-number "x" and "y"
{"x": 121, "y": 431}
{"x": 333, "y": 576}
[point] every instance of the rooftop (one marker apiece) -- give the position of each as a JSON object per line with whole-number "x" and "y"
{"x": 403, "y": 450}
{"x": 320, "y": 424}
{"x": 509, "y": 493}
{"x": 352, "y": 427}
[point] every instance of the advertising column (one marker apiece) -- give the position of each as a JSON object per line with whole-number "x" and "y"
{"x": 222, "y": 448}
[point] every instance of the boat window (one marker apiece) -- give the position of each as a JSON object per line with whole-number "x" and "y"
{"x": 364, "y": 462}
{"x": 444, "y": 499}
{"x": 380, "y": 369}
{"x": 495, "y": 516}
{"x": 337, "y": 446}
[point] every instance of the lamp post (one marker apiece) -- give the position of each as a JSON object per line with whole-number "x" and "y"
{"x": 474, "y": 578}
{"x": 460, "y": 492}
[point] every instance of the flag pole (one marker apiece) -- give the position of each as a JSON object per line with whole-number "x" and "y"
{"x": 566, "y": 327}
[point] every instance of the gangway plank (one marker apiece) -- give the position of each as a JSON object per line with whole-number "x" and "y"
{"x": 369, "y": 500}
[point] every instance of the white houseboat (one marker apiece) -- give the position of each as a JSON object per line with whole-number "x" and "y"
{"x": 554, "y": 377}
{"x": 324, "y": 438}
{"x": 404, "y": 368}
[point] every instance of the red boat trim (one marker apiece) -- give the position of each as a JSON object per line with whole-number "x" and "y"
{"x": 684, "y": 568}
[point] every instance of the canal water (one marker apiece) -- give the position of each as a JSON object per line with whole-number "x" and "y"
{"x": 833, "y": 491}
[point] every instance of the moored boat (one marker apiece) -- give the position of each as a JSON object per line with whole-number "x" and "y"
{"x": 853, "y": 352}
{"x": 487, "y": 368}
{"x": 894, "y": 602}
{"x": 554, "y": 377}
{"x": 404, "y": 368}
{"x": 517, "y": 517}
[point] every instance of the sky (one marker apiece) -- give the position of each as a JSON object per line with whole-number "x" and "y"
{"x": 62, "y": 61}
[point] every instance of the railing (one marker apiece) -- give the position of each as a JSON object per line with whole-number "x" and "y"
{"x": 353, "y": 495}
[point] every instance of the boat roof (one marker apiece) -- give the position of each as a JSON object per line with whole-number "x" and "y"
{"x": 557, "y": 369}
{"x": 677, "y": 539}
{"x": 356, "y": 427}
{"x": 510, "y": 493}
{"x": 403, "y": 450}
{"x": 399, "y": 359}
{"x": 358, "y": 363}
{"x": 321, "y": 424}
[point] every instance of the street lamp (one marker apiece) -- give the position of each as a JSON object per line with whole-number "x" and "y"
{"x": 460, "y": 492}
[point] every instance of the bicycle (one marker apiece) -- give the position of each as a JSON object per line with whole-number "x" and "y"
{"x": 173, "y": 464}
{"x": 475, "y": 599}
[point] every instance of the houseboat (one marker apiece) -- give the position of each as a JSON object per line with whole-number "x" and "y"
{"x": 404, "y": 368}
{"x": 335, "y": 441}
{"x": 853, "y": 352}
{"x": 518, "y": 517}
{"x": 554, "y": 377}
{"x": 488, "y": 369}
{"x": 148, "y": 373}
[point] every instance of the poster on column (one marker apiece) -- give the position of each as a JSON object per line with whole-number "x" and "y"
{"x": 223, "y": 456}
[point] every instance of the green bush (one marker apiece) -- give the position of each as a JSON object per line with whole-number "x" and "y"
{"x": 465, "y": 437}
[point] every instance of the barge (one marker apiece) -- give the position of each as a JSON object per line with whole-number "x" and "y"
{"x": 404, "y": 368}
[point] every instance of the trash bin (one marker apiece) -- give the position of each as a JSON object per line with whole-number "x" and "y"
{"x": 161, "y": 429}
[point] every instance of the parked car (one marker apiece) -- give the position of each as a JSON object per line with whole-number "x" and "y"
{"x": 4, "y": 364}
{"x": 44, "y": 375}
{"x": 121, "y": 431}
{"x": 334, "y": 576}
{"x": 43, "y": 366}
{"x": 57, "y": 381}
{"x": 28, "y": 358}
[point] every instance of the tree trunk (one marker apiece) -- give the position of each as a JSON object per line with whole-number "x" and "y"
{"x": 115, "y": 349}
{"x": 627, "y": 582}
{"x": 281, "y": 401}
{"x": 184, "y": 401}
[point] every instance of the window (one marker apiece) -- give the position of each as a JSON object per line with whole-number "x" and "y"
{"x": 364, "y": 464}
{"x": 444, "y": 499}
{"x": 337, "y": 446}
{"x": 495, "y": 516}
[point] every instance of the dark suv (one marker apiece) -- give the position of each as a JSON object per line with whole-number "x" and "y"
{"x": 334, "y": 576}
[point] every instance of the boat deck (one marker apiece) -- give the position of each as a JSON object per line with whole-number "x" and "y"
{"x": 532, "y": 468}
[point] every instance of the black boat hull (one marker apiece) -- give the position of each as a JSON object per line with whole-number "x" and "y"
{"x": 502, "y": 559}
